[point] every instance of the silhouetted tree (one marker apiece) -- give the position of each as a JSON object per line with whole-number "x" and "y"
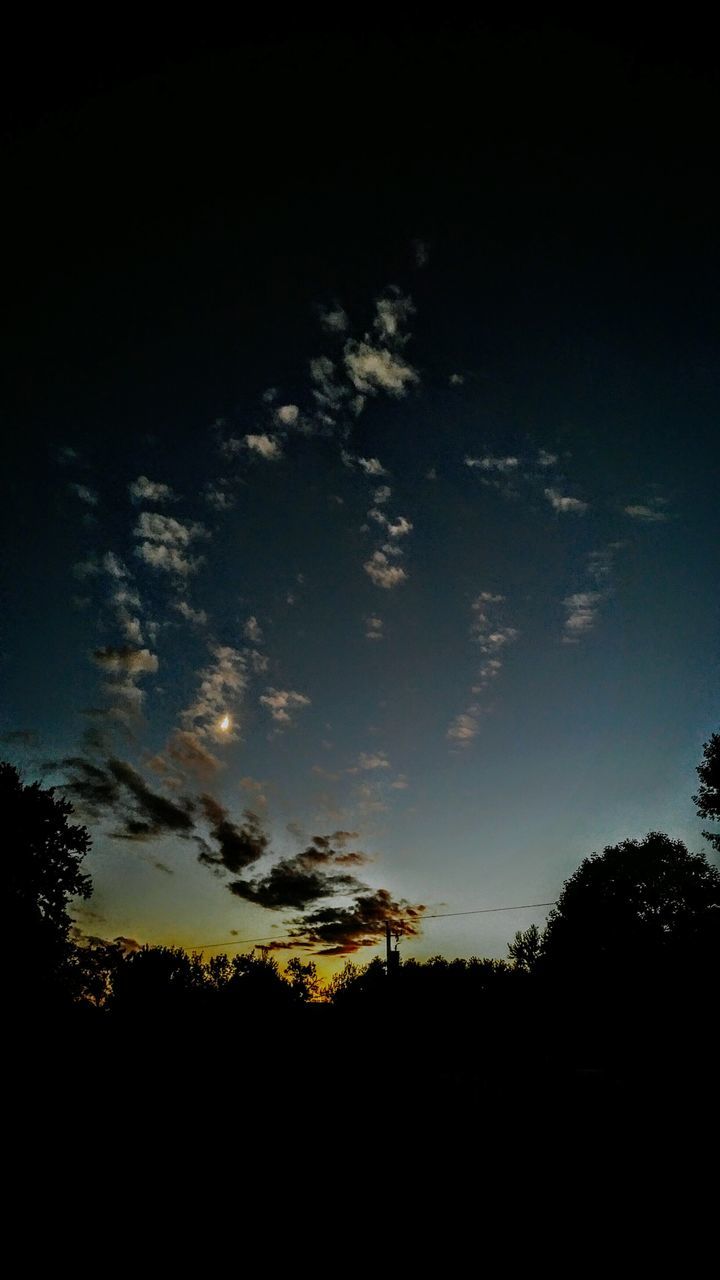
{"x": 41, "y": 870}
{"x": 707, "y": 799}
{"x": 633, "y": 907}
{"x": 303, "y": 979}
{"x": 525, "y": 948}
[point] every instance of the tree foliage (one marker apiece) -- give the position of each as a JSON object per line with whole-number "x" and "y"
{"x": 707, "y": 799}
{"x": 633, "y": 905}
{"x": 42, "y": 872}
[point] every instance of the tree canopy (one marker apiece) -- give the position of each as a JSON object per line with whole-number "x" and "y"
{"x": 632, "y": 904}
{"x": 42, "y": 872}
{"x": 707, "y": 799}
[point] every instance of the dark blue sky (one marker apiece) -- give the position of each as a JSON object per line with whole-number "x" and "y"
{"x": 457, "y": 590}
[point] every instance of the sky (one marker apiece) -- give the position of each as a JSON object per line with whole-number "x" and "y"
{"x": 360, "y": 406}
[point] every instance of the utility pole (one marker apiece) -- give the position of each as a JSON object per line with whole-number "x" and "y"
{"x": 393, "y": 957}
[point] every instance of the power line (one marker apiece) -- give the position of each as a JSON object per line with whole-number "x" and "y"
{"x": 438, "y": 915}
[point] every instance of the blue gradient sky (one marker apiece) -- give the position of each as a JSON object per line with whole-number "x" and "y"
{"x": 552, "y": 441}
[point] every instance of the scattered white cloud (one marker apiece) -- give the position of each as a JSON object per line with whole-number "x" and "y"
{"x": 382, "y": 573}
{"x": 371, "y": 466}
{"x": 399, "y": 527}
{"x": 581, "y": 614}
{"x": 431, "y": 474}
{"x": 282, "y": 703}
{"x": 327, "y": 392}
{"x": 490, "y": 463}
{"x": 372, "y": 369}
{"x": 125, "y": 660}
{"x": 218, "y": 496}
{"x": 561, "y": 502}
{"x": 266, "y": 446}
{"x": 287, "y": 414}
{"x": 334, "y": 319}
{"x": 464, "y": 728}
{"x": 382, "y": 494}
{"x": 165, "y": 541}
{"x": 545, "y": 459}
{"x": 401, "y": 783}
{"x": 368, "y": 761}
{"x": 647, "y": 513}
{"x": 144, "y": 490}
{"x": 456, "y": 379}
{"x": 392, "y": 311}
{"x": 253, "y": 631}
{"x": 420, "y": 253}
{"x": 374, "y": 627}
{"x": 197, "y": 616}
{"x": 86, "y": 495}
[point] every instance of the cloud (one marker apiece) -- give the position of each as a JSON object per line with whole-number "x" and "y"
{"x": 545, "y": 459}
{"x": 647, "y": 513}
{"x": 382, "y": 494}
{"x": 400, "y": 784}
{"x": 264, "y": 445}
{"x": 287, "y": 415}
{"x": 373, "y": 760}
{"x": 114, "y": 788}
{"x": 124, "y": 660}
{"x": 86, "y": 495}
{"x": 456, "y": 379}
{"x": 374, "y": 627}
{"x": 298, "y": 882}
{"x": 582, "y": 613}
{"x": 334, "y": 319}
{"x": 382, "y": 573}
{"x": 218, "y": 497}
{"x": 561, "y": 503}
{"x": 392, "y": 311}
{"x": 282, "y": 703}
{"x": 253, "y": 631}
{"x": 327, "y": 391}
{"x": 144, "y": 490}
{"x": 237, "y": 847}
{"x": 489, "y": 463}
{"x": 421, "y": 253}
{"x": 343, "y": 930}
{"x": 164, "y": 542}
{"x": 464, "y": 727}
{"x": 186, "y": 611}
{"x": 190, "y": 754}
{"x": 371, "y": 466}
{"x": 372, "y": 369}
{"x": 399, "y": 527}
{"x": 222, "y": 685}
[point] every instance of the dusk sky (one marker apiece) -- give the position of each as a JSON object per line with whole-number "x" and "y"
{"x": 360, "y": 411}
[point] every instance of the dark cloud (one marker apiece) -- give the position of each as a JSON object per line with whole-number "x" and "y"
{"x": 155, "y": 813}
{"x": 115, "y": 788}
{"x": 238, "y": 846}
{"x": 340, "y": 930}
{"x": 295, "y": 883}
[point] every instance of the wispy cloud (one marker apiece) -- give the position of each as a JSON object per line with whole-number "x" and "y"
{"x": 334, "y": 319}
{"x": 372, "y": 369}
{"x": 490, "y": 463}
{"x": 283, "y": 703}
{"x": 265, "y": 446}
{"x": 582, "y": 608}
{"x": 253, "y": 631}
{"x": 144, "y": 490}
{"x": 85, "y": 494}
{"x": 164, "y": 543}
{"x": 222, "y": 686}
{"x": 561, "y": 502}
{"x": 374, "y": 627}
{"x": 197, "y": 616}
{"x": 382, "y": 572}
{"x": 650, "y": 512}
{"x": 489, "y": 631}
